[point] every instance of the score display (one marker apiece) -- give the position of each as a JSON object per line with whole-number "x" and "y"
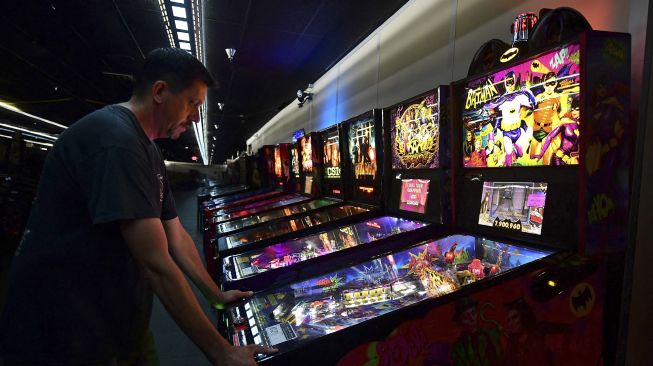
{"x": 415, "y": 134}
{"x": 362, "y": 149}
{"x": 414, "y": 193}
{"x": 525, "y": 115}
{"x": 331, "y": 146}
{"x": 513, "y": 206}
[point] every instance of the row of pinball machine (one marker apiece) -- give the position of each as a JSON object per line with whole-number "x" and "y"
{"x": 469, "y": 225}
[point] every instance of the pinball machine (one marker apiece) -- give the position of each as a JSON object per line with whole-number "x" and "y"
{"x": 521, "y": 276}
{"x": 291, "y": 227}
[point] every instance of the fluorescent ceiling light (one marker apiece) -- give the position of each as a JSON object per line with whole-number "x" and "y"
{"x": 38, "y": 143}
{"x": 177, "y": 1}
{"x": 179, "y": 12}
{"x": 181, "y": 24}
{"x": 184, "y": 46}
{"x": 28, "y": 131}
{"x": 183, "y": 36}
{"x": 7, "y": 137}
{"x": 15, "y": 109}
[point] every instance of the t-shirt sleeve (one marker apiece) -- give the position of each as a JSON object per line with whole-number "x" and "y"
{"x": 119, "y": 185}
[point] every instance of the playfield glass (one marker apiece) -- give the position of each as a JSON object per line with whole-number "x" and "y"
{"x": 298, "y": 250}
{"x": 525, "y": 115}
{"x": 289, "y": 315}
{"x": 266, "y": 216}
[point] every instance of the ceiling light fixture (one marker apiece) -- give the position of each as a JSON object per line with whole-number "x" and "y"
{"x": 28, "y": 131}
{"x": 15, "y": 109}
{"x": 220, "y": 105}
{"x": 231, "y": 52}
{"x": 184, "y": 29}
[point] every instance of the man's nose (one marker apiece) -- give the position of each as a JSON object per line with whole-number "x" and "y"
{"x": 195, "y": 116}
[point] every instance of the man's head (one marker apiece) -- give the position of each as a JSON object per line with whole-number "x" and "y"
{"x": 175, "y": 82}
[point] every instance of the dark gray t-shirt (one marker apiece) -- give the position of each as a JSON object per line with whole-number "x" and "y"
{"x": 76, "y": 296}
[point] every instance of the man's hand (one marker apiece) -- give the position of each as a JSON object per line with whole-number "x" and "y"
{"x": 244, "y": 356}
{"x": 229, "y": 296}
{"x": 235, "y": 295}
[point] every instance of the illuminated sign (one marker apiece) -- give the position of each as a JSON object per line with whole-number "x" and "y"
{"x": 415, "y": 134}
{"x": 362, "y": 148}
{"x": 513, "y": 206}
{"x": 414, "y": 193}
{"x": 525, "y": 115}
{"x": 366, "y": 189}
{"x": 333, "y": 172}
{"x": 297, "y": 135}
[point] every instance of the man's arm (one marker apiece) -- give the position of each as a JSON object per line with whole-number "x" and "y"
{"x": 185, "y": 254}
{"x": 147, "y": 242}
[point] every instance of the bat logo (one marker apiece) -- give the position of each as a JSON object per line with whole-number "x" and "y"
{"x": 582, "y": 299}
{"x": 509, "y": 54}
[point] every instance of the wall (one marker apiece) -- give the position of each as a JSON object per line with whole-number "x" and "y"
{"x": 187, "y": 172}
{"x": 425, "y": 44}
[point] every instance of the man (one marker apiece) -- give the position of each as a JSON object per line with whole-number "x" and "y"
{"x": 103, "y": 233}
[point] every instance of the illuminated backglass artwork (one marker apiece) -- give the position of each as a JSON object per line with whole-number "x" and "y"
{"x": 362, "y": 148}
{"x": 307, "y": 154}
{"x": 331, "y": 154}
{"x": 415, "y": 134}
{"x": 525, "y": 115}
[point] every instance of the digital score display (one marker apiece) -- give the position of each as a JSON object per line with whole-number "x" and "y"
{"x": 307, "y": 154}
{"x": 331, "y": 146}
{"x": 415, "y": 134}
{"x": 362, "y": 149}
{"x": 525, "y": 115}
{"x": 513, "y": 206}
{"x": 295, "y": 161}
{"x": 414, "y": 193}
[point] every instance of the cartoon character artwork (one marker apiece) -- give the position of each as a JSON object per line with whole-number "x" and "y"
{"x": 513, "y": 111}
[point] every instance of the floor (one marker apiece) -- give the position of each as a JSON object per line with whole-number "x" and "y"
{"x": 174, "y": 347}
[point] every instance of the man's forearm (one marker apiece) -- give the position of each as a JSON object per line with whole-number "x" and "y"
{"x": 188, "y": 258}
{"x": 176, "y": 295}
{"x": 147, "y": 242}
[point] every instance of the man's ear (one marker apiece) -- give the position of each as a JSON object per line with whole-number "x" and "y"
{"x": 157, "y": 91}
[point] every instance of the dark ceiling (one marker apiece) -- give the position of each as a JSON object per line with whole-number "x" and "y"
{"x": 61, "y": 59}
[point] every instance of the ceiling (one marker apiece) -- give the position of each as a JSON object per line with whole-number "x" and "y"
{"x": 61, "y": 59}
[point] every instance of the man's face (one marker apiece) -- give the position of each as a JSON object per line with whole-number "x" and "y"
{"x": 181, "y": 109}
